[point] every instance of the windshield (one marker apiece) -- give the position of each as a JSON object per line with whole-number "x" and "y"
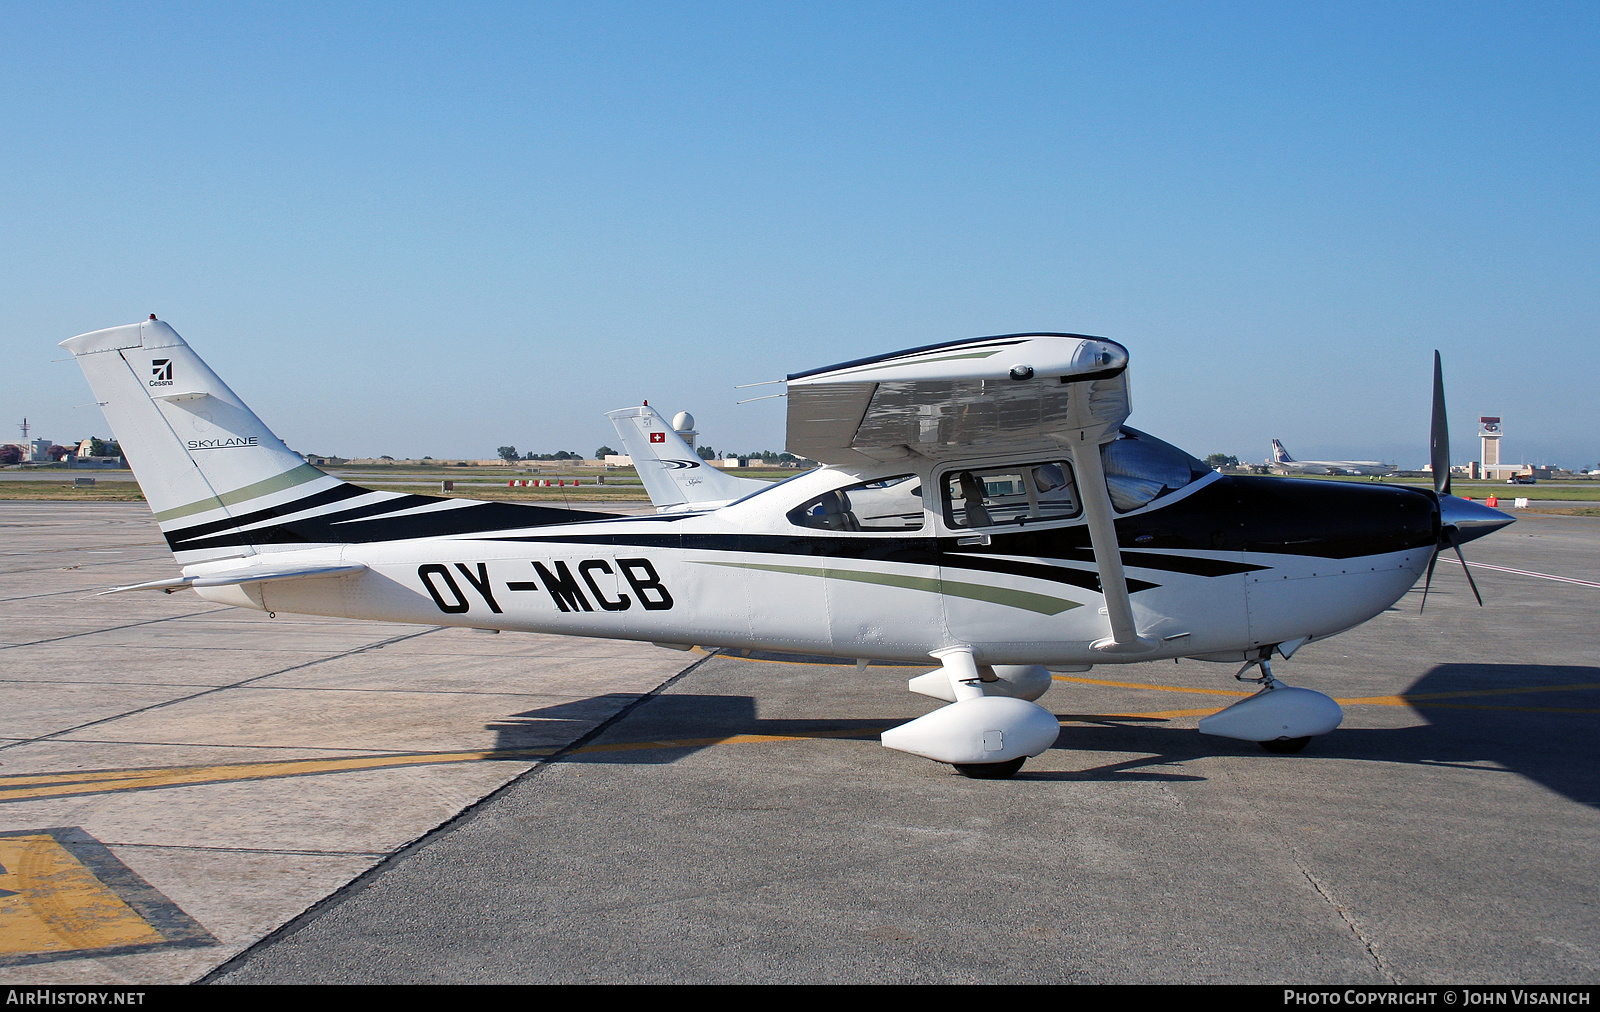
{"x": 1141, "y": 468}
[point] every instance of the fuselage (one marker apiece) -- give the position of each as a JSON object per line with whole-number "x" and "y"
{"x": 1217, "y": 568}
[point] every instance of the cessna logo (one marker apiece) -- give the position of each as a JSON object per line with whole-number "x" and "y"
{"x": 161, "y": 369}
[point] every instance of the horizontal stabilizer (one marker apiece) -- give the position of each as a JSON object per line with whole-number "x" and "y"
{"x": 235, "y": 577}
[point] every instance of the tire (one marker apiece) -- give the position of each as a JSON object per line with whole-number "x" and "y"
{"x": 990, "y": 771}
{"x": 1285, "y": 746}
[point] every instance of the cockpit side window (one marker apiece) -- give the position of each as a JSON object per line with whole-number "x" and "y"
{"x": 1141, "y": 468}
{"x": 1010, "y": 494}
{"x": 883, "y": 504}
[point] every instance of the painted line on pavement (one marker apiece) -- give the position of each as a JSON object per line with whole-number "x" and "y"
{"x": 64, "y": 895}
{"x": 1529, "y": 572}
{"x": 37, "y": 786}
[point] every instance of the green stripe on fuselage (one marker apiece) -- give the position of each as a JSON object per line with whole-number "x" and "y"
{"x": 1041, "y": 603}
{"x": 277, "y": 483}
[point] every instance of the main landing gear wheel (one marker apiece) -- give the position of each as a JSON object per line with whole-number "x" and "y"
{"x": 990, "y": 771}
{"x": 1286, "y": 746}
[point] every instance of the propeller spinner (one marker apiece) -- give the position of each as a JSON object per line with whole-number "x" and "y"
{"x": 1460, "y": 520}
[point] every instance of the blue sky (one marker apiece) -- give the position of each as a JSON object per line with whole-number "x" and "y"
{"x": 436, "y": 229}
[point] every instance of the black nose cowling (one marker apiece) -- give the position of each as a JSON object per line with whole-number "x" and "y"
{"x": 1330, "y": 519}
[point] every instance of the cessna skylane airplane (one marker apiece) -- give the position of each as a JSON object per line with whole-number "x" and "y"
{"x": 982, "y": 505}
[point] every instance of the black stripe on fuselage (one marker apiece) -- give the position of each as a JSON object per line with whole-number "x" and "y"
{"x": 1279, "y": 516}
{"x": 901, "y": 550}
{"x": 1236, "y": 516}
{"x": 1245, "y": 516}
{"x": 326, "y": 497}
{"x": 330, "y": 528}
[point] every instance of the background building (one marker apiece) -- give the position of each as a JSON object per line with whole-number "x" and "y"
{"x": 1490, "y": 468}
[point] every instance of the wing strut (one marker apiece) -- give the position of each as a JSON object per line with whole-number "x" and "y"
{"x": 1124, "y": 638}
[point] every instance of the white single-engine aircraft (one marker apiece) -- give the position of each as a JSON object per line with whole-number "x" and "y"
{"x": 982, "y": 505}
{"x": 1282, "y": 463}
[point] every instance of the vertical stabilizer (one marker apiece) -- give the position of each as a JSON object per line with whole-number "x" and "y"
{"x": 1280, "y": 455}
{"x": 198, "y": 452}
{"x": 673, "y": 474}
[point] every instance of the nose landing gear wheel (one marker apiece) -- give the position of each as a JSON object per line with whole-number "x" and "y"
{"x": 1285, "y": 746}
{"x": 990, "y": 771}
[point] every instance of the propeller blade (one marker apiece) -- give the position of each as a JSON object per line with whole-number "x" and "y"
{"x": 1433, "y": 560}
{"x": 1439, "y": 436}
{"x": 1470, "y": 581}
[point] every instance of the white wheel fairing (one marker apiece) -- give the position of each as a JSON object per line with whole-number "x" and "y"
{"x": 988, "y": 729}
{"x": 1281, "y": 712}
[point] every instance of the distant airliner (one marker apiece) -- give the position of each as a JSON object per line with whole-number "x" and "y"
{"x": 1285, "y": 464}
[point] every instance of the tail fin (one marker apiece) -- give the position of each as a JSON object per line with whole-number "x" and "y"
{"x": 673, "y": 474}
{"x": 1279, "y": 454}
{"x": 196, "y": 449}
{"x": 223, "y": 486}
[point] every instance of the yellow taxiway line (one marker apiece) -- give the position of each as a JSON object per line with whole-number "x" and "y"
{"x": 34, "y": 786}
{"x": 27, "y": 787}
{"x": 51, "y": 903}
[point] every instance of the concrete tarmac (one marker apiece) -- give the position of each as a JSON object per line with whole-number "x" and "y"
{"x": 180, "y": 778}
{"x": 743, "y": 825}
{"x": 189, "y": 791}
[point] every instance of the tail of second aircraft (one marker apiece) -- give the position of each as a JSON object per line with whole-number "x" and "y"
{"x": 1279, "y": 454}
{"x": 674, "y": 476}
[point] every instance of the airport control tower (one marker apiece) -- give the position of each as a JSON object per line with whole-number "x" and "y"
{"x": 1489, "y": 435}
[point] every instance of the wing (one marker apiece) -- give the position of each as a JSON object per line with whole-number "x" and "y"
{"x": 994, "y": 394}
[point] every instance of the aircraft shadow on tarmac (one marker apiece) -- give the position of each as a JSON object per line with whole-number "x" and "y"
{"x": 533, "y": 728}
{"x": 1513, "y": 716}
{"x": 1480, "y": 713}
